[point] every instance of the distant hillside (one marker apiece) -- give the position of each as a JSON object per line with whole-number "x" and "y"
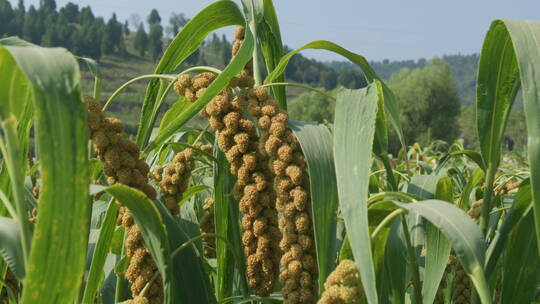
{"x": 463, "y": 69}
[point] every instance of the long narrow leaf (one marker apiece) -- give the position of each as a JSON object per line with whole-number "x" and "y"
{"x": 11, "y": 247}
{"x": 222, "y": 80}
{"x": 272, "y": 48}
{"x": 525, "y": 38}
{"x": 100, "y": 253}
{"x": 390, "y": 102}
{"x": 215, "y": 16}
{"x": 437, "y": 247}
{"x": 55, "y": 268}
{"x": 148, "y": 219}
{"x": 316, "y": 143}
{"x": 227, "y": 225}
{"x": 464, "y": 235}
{"x": 353, "y": 141}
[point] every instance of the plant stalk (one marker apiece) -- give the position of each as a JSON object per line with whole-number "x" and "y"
{"x": 299, "y": 85}
{"x": 128, "y": 83}
{"x": 255, "y": 58}
{"x": 388, "y": 219}
{"x": 389, "y": 172}
{"x": 413, "y": 262}
{"x": 488, "y": 196}
{"x": 12, "y": 155}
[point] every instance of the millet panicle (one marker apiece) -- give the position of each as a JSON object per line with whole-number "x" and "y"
{"x": 277, "y": 141}
{"x": 343, "y": 285}
{"x": 122, "y": 164}
{"x": 237, "y": 138}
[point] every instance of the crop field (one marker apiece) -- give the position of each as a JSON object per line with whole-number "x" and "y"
{"x": 221, "y": 198}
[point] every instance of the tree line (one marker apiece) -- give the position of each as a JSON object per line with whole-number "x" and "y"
{"x": 77, "y": 29}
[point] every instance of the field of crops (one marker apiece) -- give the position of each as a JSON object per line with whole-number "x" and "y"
{"x": 253, "y": 207}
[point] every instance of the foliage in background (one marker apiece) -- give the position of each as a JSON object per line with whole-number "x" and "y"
{"x": 428, "y": 102}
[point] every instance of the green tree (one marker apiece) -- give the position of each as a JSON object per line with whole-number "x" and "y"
{"x": 31, "y": 26}
{"x": 126, "y": 29}
{"x": 70, "y": 12}
{"x": 176, "y": 22}
{"x": 313, "y": 106}
{"x": 141, "y": 40}
{"x": 351, "y": 78}
{"x": 86, "y": 16}
{"x": 6, "y": 17}
{"x": 154, "y": 17}
{"x": 112, "y": 41}
{"x": 154, "y": 40}
{"x": 47, "y": 5}
{"x": 17, "y": 23}
{"x": 428, "y": 102}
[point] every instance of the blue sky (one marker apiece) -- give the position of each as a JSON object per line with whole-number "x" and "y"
{"x": 383, "y": 29}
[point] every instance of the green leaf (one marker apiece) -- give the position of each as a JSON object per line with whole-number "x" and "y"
{"x": 353, "y": 139}
{"x": 437, "y": 254}
{"x": 464, "y": 235}
{"x": 316, "y": 143}
{"x": 189, "y": 193}
{"x": 423, "y": 185}
{"x": 521, "y": 270}
{"x": 227, "y": 224}
{"x": 272, "y": 48}
{"x": 395, "y": 276}
{"x": 476, "y": 177}
{"x": 498, "y": 83}
{"x": 222, "y": 80}
{"x": 521, "y": 205}
{"x": 11, "y": 247}
{"x": 57, "y": 259}
{"x": 95, "y": 274}
{"x": 171, "y": 114}
{"x": 189, "y": 278}
{"x": 215, "y": 16}
{"x": 390, "y": 102}
{"x": 473, "y": 155}
{"x": 437, "y": 247}
{"x": 520, "y": 41}
{"x": 94, "y": 68}
{"x": 149, "y": 222}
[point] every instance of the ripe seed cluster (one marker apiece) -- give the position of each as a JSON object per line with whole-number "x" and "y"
{"x": 476, "y": 207}
{"x": 121, "y": 164}
{"x": 207, "y": 225}
{"x": 293, "y": 198}
{"x": 237, "y": 138}
{"x": 343, "y": 285}
{"x": 137, "y": 300}
{"x": 176, "y": 179}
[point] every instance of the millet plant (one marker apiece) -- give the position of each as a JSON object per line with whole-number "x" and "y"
{"x": 223, "y": 199}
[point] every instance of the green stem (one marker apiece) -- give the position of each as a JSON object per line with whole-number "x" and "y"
{"x": 291, "y": 84}
{"x": 488, "y": 196}
{"x": 12, "y": 155}
{"x": 399, "y": 195}
{"x": 388, "y": 219}
{"x": 413, "y": 262}
{"x": 256, "y": 65}
{"x": 128, "y": 83}
{"x": 122, "y": 285}
{"x": 389, "y": 172}
{"x": 184, "y": 246}
{"x": 97, "y": 88}
{"x": 201, "y": 68}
